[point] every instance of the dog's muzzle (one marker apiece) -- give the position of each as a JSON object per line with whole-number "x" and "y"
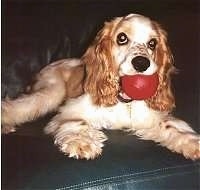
{"x": 137, "y": 61}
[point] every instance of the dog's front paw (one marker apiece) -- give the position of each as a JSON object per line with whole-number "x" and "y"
{"x": 179, "y": 137}
{"x": 191, "y": 146}
{"x": 81, "y": 146}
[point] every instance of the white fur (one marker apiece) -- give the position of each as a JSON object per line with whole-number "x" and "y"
{"x": 122, "y": 115}
{"x": 142, "y": 28}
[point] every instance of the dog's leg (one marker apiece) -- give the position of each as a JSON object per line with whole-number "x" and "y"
{"x": 48, "y": 92}
{"x": 176, "y": 135}
{"x": 76, "y": 138}
{"x": 46, "y": 95}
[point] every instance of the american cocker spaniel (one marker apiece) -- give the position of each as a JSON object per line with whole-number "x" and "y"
{"x": 92, "y": 98}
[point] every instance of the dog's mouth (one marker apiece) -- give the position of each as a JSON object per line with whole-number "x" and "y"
{"x": 137, "y": 87}
{"x": 135, "y": 71}
{"x": 123, "y": 97}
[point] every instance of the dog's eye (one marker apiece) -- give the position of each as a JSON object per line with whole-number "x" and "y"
{"x": 122, "y": 39}
{"x": 152, "y": 44}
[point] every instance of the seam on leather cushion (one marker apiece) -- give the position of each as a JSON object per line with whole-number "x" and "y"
{"x": 135, "y": 181}
{"x": 136, "y": 177}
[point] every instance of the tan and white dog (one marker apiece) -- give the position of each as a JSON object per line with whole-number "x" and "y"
{"x": 90, "y": 91}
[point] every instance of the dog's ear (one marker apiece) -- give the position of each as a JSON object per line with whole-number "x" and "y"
{"x": 163, "y": 100}
{"x": 101, "y": 71}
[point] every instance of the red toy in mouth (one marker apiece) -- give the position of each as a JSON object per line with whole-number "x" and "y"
{"x": 139, "y": 86}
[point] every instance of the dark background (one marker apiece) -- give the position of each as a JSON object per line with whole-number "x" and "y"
{"x": 37, "y": 32}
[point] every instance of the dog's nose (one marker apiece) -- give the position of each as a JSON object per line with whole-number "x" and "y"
{"x": 140, "y": 63}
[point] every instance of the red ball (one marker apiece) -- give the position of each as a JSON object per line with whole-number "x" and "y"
{"x": 139, "y": 86}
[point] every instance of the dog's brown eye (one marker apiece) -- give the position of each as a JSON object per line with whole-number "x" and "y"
{"x": 152, "y": 44}
{"x": 122, "y": 39}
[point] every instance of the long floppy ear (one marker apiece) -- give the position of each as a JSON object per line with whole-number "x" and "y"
{"x": 101, "y": 71}
{"x": 163, "y": 100}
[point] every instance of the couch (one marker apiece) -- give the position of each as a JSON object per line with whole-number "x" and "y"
{"x": 35, "y": 33}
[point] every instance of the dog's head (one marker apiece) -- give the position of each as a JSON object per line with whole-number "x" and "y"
{"x": 129, "y": 45}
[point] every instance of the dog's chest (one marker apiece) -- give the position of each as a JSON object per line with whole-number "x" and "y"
{"x": 122, "y": 115}
{"x": 139, "y": 111}
{"x": 113, "y": 117}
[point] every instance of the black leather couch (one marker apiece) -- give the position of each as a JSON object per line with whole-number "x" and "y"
{"x": 36, "y": 33}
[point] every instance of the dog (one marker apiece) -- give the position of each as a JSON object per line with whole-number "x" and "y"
{"x": 87, "y": 93}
